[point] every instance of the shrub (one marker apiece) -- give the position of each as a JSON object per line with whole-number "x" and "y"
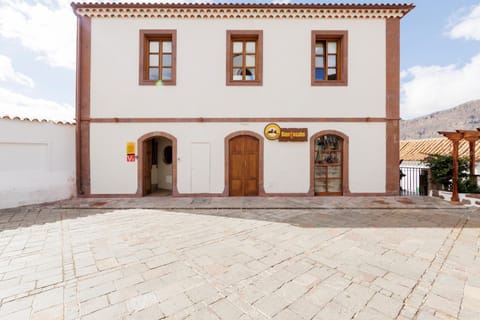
{"x": 441, "y": 173}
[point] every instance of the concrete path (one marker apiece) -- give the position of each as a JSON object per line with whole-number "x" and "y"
{"x": 241, "y": 258}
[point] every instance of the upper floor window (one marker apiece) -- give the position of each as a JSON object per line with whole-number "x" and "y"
{"x": 158, "y": 57}
{"x": 244, "y": 57}
{"x": 329, "y": 58}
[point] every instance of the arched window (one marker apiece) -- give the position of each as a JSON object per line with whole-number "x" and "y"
{"x": 328, "y": 165}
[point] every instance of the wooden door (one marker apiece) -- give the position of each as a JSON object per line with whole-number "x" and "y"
{"x": 243, "y": 166}
{"x": 147, "y": 167}
{"x": 328, "y": 166}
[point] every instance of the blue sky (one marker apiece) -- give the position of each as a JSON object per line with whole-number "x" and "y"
{"x": 440, "y": 57}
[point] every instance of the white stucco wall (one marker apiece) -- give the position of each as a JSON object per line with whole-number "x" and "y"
{"x": 286, "y": 164}
{"x": 201, "y": 63}
{"x": 37, "y": 162}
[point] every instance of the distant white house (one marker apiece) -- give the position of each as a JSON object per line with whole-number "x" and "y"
{"x": 37, "y": 161}
{"x": 413, "y": 152}
{"x": 238, "y": 99}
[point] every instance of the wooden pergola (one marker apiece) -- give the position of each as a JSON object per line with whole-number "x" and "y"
{"x": 472, "y": 136}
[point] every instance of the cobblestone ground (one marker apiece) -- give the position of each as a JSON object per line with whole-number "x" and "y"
{"x": 60, "y": 263}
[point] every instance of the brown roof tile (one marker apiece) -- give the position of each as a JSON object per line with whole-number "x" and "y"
{"x": 417, "y": 150}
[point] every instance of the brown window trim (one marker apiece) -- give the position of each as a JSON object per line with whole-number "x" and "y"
{"x": 256, "y": 35}
{"x": 342, "y": 64}
{"x": 146, "y": 35}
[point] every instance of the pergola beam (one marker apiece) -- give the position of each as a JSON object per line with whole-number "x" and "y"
{"x": 455, "y": 137}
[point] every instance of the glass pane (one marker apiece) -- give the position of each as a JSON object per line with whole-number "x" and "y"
{"x": 237, "y": 47}
{"x": 167, "y": 74}
{"x": 154, "y": 46}
{"x": 153, "y": 60}
{"x": 250, "y": 74}
{"x": 331, "y": 157}
{"x": 167, "y": 60}
{"x": 332, "y": 74}
{"x": 334, "y": 172}
{"x": 320, "y": 172}
{"x": 320, "y": 186}
{"x": 319, "y": 74}
{"x": 237, "y": 60}
{"x": 153, "y": 74}
{"x": 237, "y": 74}
{"x": 319, "y": 48}
{"x": 250, "y": 60}
{"x": 250, "y": 47}
{"x": 167, "y": 47}
{"x": 334, "y": 185}
{"x": 332, "y": 61}
{"x": 332, "y": 47}
{"x": 319, "y": 62}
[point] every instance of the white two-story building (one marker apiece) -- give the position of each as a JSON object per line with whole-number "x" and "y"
{"x": 238, "y": 99}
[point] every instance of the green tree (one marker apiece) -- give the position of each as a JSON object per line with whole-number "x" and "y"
{"x": 441, "y": 173}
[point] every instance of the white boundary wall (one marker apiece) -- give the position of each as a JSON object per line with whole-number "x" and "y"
{"x": 37, "y": 162}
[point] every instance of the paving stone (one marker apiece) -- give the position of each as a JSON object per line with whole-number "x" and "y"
{"x": 93, "y": 305}
{"x": 385, "y": 305}
{"x": 243, "y": 264}
{"x": 271, "y": 304}
{"x": 48, "y": 299}
{"x": 224, "y": 309}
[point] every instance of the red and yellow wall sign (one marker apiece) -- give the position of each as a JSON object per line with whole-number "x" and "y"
{"x": 273, "y": 131}
{"x": 130, "y": 151}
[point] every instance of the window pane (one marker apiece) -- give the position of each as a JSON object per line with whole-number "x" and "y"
{"x": 153, "y": 74}
{"x": 250, "y": 60}
{"x": 237, "y": 60}
{"x": 332, "y": 47}
{"x": 250, "y": 74}
{"x": 167, "y": 60}
{"x": 250, "y": 47}
{"x": 332, "y": 61}
{"x": 154, "y": 46}
{"x": 237, "y": 47}
{"x": 332, "y": 74}
{"x": 334, "y": 172}
{"x": 319, "y": 74}
{"x": 167, "y": 74}
{"x": 319, "y": 48}
{"x": 153, "y": 60}
{"x": 319, "y": 62}
{"x": 334, "y": 185}
{"x": 320, "y": 186}
{"x": 321, "y": 172}
{"x": 167, "y": 47}
{"x": 237, "y": 74}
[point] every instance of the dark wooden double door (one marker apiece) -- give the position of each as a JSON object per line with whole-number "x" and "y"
{"x": 243, "y": 166}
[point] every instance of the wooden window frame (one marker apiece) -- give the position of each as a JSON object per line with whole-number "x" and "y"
{"x": 342, "y": 61}
{"x": 256, "y": 35}
{"x": 145, "y": 37}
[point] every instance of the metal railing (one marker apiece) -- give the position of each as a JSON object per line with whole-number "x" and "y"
{"x": 413, "y": 181}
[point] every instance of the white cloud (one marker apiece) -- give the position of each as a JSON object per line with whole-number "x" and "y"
{"x": 7, "y": 73}
{"x": 468, "y": 27}
{"x": 427, "y": 89}
{"x": 45, "y": 27}
{"x": 17, "y": 105}
{"x": 433, "y": 88}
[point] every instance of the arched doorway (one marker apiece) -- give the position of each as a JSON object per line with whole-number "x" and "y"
{"x": 330, "y": 159}
{"x": 243, "y": 165}
{"x": 157, "y": 165}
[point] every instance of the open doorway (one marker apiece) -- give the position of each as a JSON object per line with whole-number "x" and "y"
{"x": 157, "y": 166}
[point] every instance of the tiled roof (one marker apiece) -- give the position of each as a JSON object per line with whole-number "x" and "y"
{"x": 241, "y": 10}
{"x": 35, "y": 120}
{"x": 417, "y": 150}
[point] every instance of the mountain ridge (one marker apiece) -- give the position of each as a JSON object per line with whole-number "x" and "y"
{"x": 465, "y": 116}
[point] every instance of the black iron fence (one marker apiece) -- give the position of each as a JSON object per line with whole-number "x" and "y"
{"x": 413, "y": 181}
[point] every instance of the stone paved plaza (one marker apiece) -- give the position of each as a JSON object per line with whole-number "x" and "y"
{"x": 296, "y": 258}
